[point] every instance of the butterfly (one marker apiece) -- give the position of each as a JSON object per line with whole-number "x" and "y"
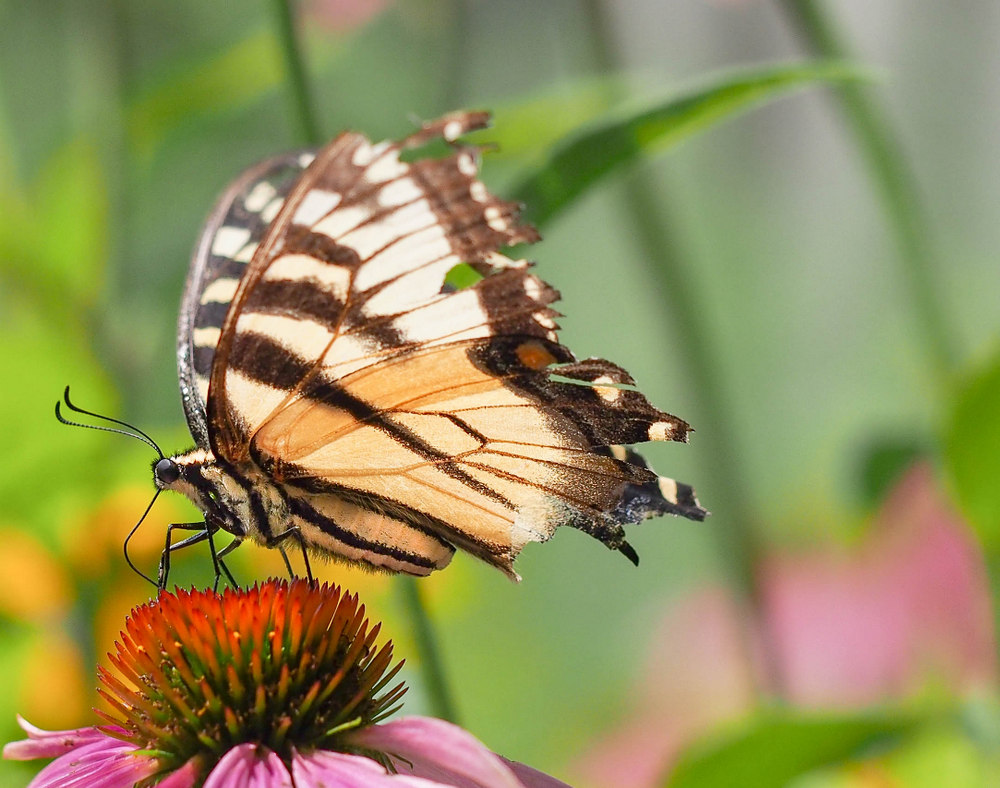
{"x": 342, "y": 394}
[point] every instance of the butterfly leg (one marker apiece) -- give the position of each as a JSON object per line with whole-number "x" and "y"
{"x": 218, "y": 555}
{"x": 288, "y": 564}
{"x": 202, "y": 535}
{"x": 292, "y": 533}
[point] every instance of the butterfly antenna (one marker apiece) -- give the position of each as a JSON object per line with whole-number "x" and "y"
{"x": 135, "y": 528}
{"x": 131, "y": 431}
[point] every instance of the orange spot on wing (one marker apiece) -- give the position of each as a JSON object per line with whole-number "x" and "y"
{"x": 534, "y": 355}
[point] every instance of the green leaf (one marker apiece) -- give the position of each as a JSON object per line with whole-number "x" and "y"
{"x": 940, "y": 755}
{"x": 972, "y": 452}
{"x": 883, "y": 461}
{"x": 524, "y": 128}
{"x": 584, "y": 158}
{"x": 775, "y": 748}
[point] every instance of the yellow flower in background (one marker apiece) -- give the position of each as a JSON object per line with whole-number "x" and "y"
{"x": 93, "y": 544}
{"x": 55, "y": 684}
{"x": 33, "y": 583}
{"x": 67, "y": 595}
{"x": 36, "y": 593}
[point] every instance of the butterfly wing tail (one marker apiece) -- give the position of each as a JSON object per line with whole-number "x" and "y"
{"x": 661, "y": 495}
{"x": 644, "y": 499}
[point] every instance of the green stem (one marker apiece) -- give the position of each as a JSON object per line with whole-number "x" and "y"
{"x": 737, "y": 543}
{"x": 430, "y": 659}
{"x": 890, "y": 174}
{"x": 295, "y": 68}
{"x": 457, "y": 45}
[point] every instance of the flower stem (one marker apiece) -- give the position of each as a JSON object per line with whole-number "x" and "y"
{"x": 890, "y": 174}
{"x": 434, "y": 678}
{"x": 457, "y": 43}
{"x": 738, "y": 545}
{"x": 296, "y": 72}
{"x": 430, "y": 657}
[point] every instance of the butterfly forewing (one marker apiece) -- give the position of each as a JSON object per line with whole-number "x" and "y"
{"x": 228, "y": 241}
{"x": 400, "y": 418}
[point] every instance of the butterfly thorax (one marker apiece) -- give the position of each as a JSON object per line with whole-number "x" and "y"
{"x": 239, "y": 499}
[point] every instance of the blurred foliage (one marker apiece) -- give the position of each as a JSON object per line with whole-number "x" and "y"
{"x": 119, "y": 123}
{"x": 934, "y": 755}
{"x": 577, "y": 163}
{"x": 217, "y": 84}
{"x": 775, "y": 748}
{"x": 972, "y": 451}
{"x": 883, "y": 462}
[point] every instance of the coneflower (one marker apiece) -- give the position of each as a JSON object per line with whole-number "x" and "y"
{"x": 282, "y": 684}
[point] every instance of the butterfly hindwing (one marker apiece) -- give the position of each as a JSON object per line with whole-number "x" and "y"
{"x": 401, "y": 417}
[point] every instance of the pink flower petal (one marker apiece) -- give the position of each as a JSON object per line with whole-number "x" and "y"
{"x": 185, "y": 777}
{"x": 249, "y": 766}
{"x": 439, "y": 751}
{"x": 636, "y": 754}
{"x": 531, "y": 777}
{"x": 48, "y": 744}
{"x": 325, "y": 769}
{"x": 106, "y": 763}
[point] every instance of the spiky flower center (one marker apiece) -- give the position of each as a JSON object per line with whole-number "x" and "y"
{"x": 281, "y": 664}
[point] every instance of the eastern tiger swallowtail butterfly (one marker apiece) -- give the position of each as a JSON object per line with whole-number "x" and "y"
{"x": 341, "y": 392}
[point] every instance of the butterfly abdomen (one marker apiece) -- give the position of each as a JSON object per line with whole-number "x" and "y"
{"x": 246, "y": 502}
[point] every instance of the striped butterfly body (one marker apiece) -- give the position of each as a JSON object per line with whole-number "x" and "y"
{"x": 340, "y": 392}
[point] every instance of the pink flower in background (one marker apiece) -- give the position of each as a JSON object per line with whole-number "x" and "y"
{"x": 342, "y": 16}
{"x": 911, "y": 607}
{"x": 258, "y": 688}
{"x": 695, "y": 675}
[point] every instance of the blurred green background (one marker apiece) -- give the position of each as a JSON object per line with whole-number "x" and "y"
{"x": 756, "y": 280}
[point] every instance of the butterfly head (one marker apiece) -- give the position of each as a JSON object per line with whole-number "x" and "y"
{"x": 201, "y": 478}
{"x": 165, "y": 473}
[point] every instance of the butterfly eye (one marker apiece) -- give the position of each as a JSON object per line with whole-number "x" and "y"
{"x": 166, "y": 471}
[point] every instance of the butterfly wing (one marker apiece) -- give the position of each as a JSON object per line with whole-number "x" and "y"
{"x": 349, "y": 373}
{"x": 234, "y": 229}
